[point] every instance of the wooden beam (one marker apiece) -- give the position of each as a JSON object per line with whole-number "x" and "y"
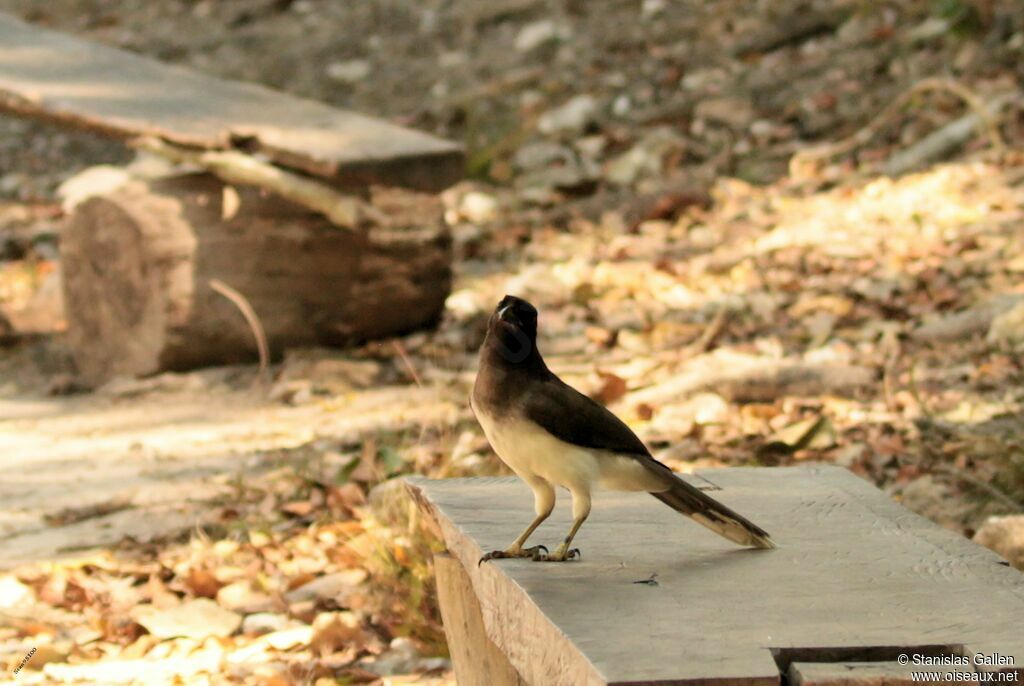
{"x": 869, "y": 674}
{"x": 657, "y": 599}
{"x": 49, "y": 75}
{"x": 477, "y": 661}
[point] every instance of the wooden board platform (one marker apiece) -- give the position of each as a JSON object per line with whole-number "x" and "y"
{"x": 49, "y": 75}
{"x": 856, "y": 578}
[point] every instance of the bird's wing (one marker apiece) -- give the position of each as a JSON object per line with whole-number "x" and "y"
{"x": 572, "y": 417}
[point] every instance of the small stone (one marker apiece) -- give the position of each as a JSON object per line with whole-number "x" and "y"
{"x": 540, "y": 33}
{"x": 1008, "y": 327}
{"x": 11, "y": 183}
{"x": 646, "y": 158}
{"x": 573, "y": 117}
{"x": 478, "y": 208}
{"x": 652, "y": 8}
{"x": 736, "y": 113}
{"x": 541, "y": 154}
{"x": 1004, "y": 535}
{"x": 622, "y": 105}
{"x": 350, "y": 71}
{"x": 266, "y": 622}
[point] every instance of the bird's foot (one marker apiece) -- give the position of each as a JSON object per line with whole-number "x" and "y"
{"x": 537, "y": 552}
{"x": 562, "y": 554}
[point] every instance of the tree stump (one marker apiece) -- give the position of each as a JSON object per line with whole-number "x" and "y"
{"x": 138, "y": 262}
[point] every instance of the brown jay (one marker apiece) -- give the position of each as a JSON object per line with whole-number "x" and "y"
{"x": 552, "y": 435}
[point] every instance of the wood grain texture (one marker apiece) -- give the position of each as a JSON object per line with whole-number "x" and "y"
{"x": 864, "y": 674}
{"x": 853, "y": 571}
{"x": 138, "y": 261}
{"x": 477, "y": 661}
{"x": 49, "y": 75}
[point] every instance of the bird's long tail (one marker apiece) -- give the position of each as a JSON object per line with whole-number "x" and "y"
{"x": 707, "y": 511}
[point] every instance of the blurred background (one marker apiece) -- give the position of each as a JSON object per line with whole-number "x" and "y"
{"x": 763, "y": 233}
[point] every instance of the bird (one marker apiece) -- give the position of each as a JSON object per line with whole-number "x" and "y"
{"x": 551, "y": 435}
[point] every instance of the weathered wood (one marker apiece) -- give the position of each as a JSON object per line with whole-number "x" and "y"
{"x": 137, "y": 264}
{"x": 866, "y": 674}
{"x": 854, "y": 572}
{"x": 49, "y": 75}
{"x": 477, "y": 661}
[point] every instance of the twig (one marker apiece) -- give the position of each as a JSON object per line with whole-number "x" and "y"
{"x": 873, "y": 127}
{"x": 345, "y": 211}
{"x": 707, "y": 339}
{"x": 251, "y": 319}
{"x": 400, "y": 349}
{"x": 938, "y": 144}
{"x": 981, "y": 485}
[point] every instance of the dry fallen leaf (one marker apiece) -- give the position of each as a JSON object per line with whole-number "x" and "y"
{"x": 199, "y": 618}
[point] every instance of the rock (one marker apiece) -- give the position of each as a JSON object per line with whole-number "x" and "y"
{"x": 200, "y": 618}
{"x": 736, "y": 113}
{"x": 540, "y": 33}
{"x": 541, "y": 154}
{"x": 622, "y": 105}
{"x": 572, "y": 117}
{"x": 1008, "y": 328}
{"x": 1004, "y": 535}
{"x": 336, "y": 587}
{"x": 478, "y": 208}
{"x": 350, "y": 71}
{"x": 652, "y": 8}
{"x": 11, "y": 183}
{"x": 573, "y": 177}
{"x": 267, "y": 622}
{"x": 646, "y": 158}
{"x": 401, "y": 657}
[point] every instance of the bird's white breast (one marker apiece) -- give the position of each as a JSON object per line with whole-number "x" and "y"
{"x": 530, "y": 451}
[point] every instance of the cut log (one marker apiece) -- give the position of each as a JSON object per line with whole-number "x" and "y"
{"x": 138, "y": 262}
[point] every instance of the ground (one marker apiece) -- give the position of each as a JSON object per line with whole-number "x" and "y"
{"x": 714, "y": 211}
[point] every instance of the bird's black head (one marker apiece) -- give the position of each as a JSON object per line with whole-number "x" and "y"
{"x": 512, "y": 330}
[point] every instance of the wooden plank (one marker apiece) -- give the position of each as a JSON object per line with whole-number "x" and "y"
{"x": 478, "y": 662}
{"x": 868, "y": 674}
{"x": 854, "y": 571}
{"x": 49, "y": 75}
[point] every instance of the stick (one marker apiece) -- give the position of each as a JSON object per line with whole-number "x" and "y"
{"x": 251, "y": 319}
{"x": 344, "y": 211}
{"x": 972, "y": 480}
{"x": 940, "y": 143}
{"x": 872, "y": 128}
{"x": 402, "y": 355}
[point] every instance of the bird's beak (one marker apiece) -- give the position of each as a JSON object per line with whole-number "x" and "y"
{"x": 502, "y": 311}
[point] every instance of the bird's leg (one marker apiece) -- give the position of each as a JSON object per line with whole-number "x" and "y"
{"x": 544, "y": 503}
{"x": 580, "y": 511}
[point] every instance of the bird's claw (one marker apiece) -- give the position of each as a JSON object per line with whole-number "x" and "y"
{"x": 561, "y": 556}
{"x": 533, "y": 553}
